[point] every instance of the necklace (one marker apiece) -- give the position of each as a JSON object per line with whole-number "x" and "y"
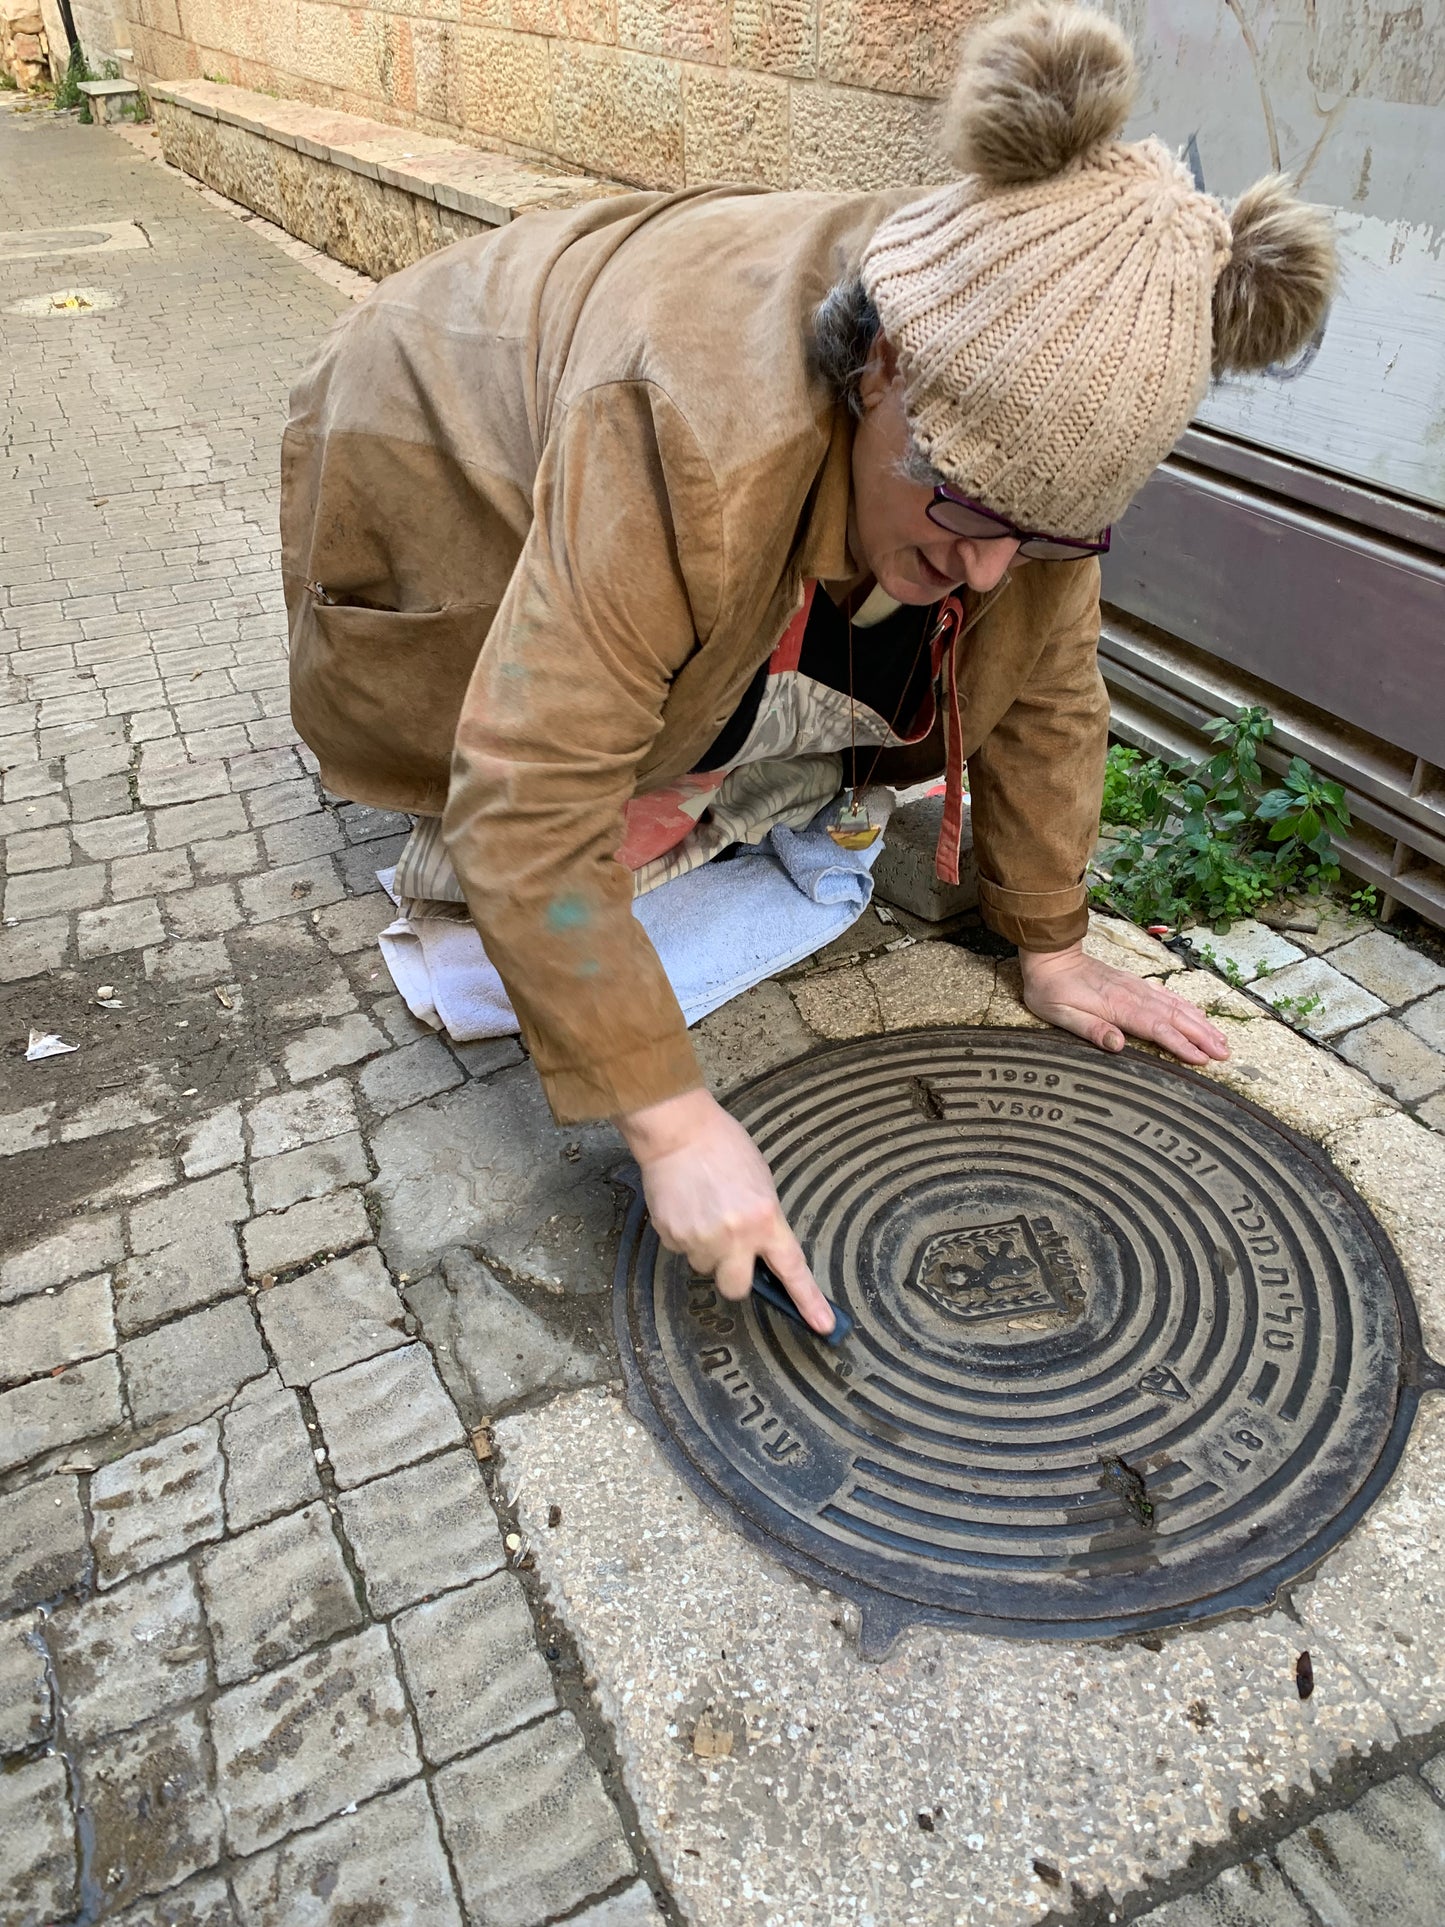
{"x": 855, "y": 829}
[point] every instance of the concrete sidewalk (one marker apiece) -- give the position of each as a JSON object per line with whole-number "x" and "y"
{"x": 339, "y": 1584}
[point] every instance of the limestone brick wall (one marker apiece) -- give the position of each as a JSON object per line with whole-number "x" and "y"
{"x": 662, "y": 93}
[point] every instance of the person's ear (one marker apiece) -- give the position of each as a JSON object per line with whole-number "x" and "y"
{"x": 880, "y": 372}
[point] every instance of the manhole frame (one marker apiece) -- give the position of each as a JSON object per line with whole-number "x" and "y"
{"x": 884, "y": 1615}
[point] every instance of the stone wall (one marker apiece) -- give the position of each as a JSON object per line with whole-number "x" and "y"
{"x": 661, "y": 93}
{"x": 24, "y": 44}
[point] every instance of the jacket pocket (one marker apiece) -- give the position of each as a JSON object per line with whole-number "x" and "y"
{"x": 377, "y": 692}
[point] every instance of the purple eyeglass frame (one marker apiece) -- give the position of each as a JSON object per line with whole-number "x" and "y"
{"x": 1078, "y": 550}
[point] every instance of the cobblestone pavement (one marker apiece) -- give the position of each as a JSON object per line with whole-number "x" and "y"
{"x": 338, "y": 1586}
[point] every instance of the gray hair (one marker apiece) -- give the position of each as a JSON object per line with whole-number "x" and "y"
{"x": 845, "y": 327}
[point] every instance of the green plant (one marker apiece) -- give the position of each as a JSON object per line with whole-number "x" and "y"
{"x": 1131, "y": 785}
{"x": 1366, "y": 902}
{"x": 1296, "y": 1009}
{"x": 8, "y": 83}
{"x": 1209, "y": 844}
{"x": 110, "y": 70}
{"x": 67, "y": 92}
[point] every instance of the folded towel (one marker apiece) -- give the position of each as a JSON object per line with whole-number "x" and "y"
{"x": 717, "y": 930}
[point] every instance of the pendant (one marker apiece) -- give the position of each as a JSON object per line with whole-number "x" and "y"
{"x": 853, "y": 830}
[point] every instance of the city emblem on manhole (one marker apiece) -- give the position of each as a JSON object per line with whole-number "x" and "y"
{"x": 989, "y": 1271}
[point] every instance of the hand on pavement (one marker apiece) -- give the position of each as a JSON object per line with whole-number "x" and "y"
{"x": 1103, "y": 1004}
{"x": 712, "y": 1197}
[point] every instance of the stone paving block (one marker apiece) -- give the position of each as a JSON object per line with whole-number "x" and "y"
{"x": 112, "y": 836}
{"x": 37, "y": 850}
{"x": 270, "y": 1455}
{"x": 125, "y": 926}
{"x": 1388, "y": 967}
{"x": 38, "y": 1864}
{"x": 383, "y": 1413}
{"x": 297, "y": 1745}
{"x": 33, "y": 949}
{"x": 59, "y": 1328}
{"x": 1383, "y": 1860}
{"x": 360, "y": 862}
{"x": 156, "y": 1503}
{"x": 264, "y": 768}
{"x": 422, "y": 1530}
{"x": 1395, "y": 1059}
{"x": 280, "y": 802}
{"x": 152, "y": 1806}
{"x": 24, "y": 1689}
{"x": 293, "y": 1118}
{"x": 43, "y": 1548}
{"x": 1427, "y": 1020}
{"x": 202, "y": 1902}
{"x": 633, "y": 1907}
{"x": 39, "y": 815}
{"x": 355, "y": 923}
{"x": 205, "y": 912}
{"x": 317, "y": 834}
{"x": 492, "y": 1054}
{"x": 225, "y": 856}
{"x": 491, "y": 1348}
{"x": 317, "y": 1227}
{"x": 409, "y": 1075}
{"x": 195, "y": 823}
{"x": 87, "y": 1245}
{"x": 1342, "y": 1002}
{"x": 383, "y": 1866}
{"x": 190, "y": 1367}
{"x": 129, "y": 1654}
{"x": 311, "y": 1171}
{"x": 25, "y": 1130}
{"x": 485, "y": 1165}
{"x": 214, "y": 1143}
{"x": 329, "y": 1046}
{"x": 363, "y": 823}
{"x": 275, "y": 1591}
{"x": 397, "y": 1021}
{"x": 145, "y": 876}
{"x": 332, "y": 1317}
{"x": 200, "y": 961}
{"x": 531, "y": 1831}
{"x": 99, "y": 799}
{"x": 44, "y": 892}
{"x": 186, "y": 783}
{"x": 299, "y": 886}
{"x": 472, "y": 1666}
{"x": 188, "y": 1211}
{"x": 1252, "y": 1895}
{"x": 196, "y": 1270}
{"x": 82, "y": 1402}
{"x": 1250, "y": 946}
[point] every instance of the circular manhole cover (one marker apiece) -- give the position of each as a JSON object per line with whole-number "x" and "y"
{"x": 65, "y": 303}
{"x": 1128, "y": 1352}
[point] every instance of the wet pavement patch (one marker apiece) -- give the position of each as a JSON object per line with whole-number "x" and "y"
{"x": 1129, "y": 1352}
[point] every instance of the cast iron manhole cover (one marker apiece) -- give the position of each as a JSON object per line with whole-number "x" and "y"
{"x": 1128, "y": 1352}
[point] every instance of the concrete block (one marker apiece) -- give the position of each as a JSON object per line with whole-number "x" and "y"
{"x": 1427, "y": 1020}
{"x": 1342, "y": 1003}
{"x": 383, "y": 1413}
{"x": 270, "y": 1455}
{"x": 385, "y": 1863}
{"x": 1381, "y": 1860}
{"x": 214, "y": 1143}
{"x": 82, "y": 1402}
{"x": 24, "y": 1689}
{"x": 297, "y": 1745}
{"x": 903, "y": 872}
{"x": 1388, "y": 967}
{"x": 299, "y": 886}
{"x": 633, "y": 1907}
{"x": 315, "y": 1227}
{"x": 193, "y": 1366}
{"x": 149, "y": 1798}
{"x": 531, "y": 1831}
{"x": 472, "y": 1666}
{"x": 38, "y": 1862}
{"x": 1395, "y": 1059}
{"x": 45, "y": 1331}
{"x": 422, "y": 1530}
{"x": 201, "y": 1902}
{"x": 43, "y": 1549}
{"x": 156, "y": 1503}
{"x": 1247, "y": 950}
{"x": 292, "y": 1118}
{"x": 87, "y": 1245}
{"x": 332, "y": 1317}
{"x": 196, "y": 1270}
{"x": 407, "y": 1076}
{"x": 275, "y": 1591}
{"x": 329, "y": 1046}
{"x": 189, "y": 1211}
{"x": 311, "y": 1171}
{"x": 129, "y": 1654}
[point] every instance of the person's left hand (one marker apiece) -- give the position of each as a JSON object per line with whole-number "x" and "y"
{"x": 1094, "y": 1000}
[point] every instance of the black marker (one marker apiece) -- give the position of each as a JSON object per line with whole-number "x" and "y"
{"x": 771, "y": 1289}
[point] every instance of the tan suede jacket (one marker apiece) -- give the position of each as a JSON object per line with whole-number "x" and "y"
{"x": 549, "y": 498}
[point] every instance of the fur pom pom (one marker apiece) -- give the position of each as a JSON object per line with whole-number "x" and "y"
{"x": 1036, "y": 89}
{"x": 1273, "y": 293}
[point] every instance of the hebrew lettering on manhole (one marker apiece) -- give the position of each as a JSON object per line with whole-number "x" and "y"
{"x": 1128, "y": 1352}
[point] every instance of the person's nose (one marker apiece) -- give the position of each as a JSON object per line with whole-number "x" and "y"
{"x": 984, "y": 564}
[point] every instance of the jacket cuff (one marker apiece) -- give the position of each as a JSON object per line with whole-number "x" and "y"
{"x": 584, "y": 1093}
{"x": 1036, "y": 919}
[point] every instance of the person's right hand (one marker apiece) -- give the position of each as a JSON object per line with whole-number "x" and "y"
{"x": 712, "y": 1198}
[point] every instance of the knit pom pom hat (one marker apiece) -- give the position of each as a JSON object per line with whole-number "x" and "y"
{"x": 1057, "y": 311}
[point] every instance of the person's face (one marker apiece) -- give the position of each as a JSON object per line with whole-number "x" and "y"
{"x": 889, "y": 532}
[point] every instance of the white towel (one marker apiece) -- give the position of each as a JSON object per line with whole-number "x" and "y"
{"x": 717, "y": 930}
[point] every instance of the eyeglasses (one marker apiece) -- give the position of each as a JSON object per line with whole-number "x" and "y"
{"x": 961, "y": 516}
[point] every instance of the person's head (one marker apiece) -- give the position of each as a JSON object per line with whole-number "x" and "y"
{"x": 1029, "y": 341}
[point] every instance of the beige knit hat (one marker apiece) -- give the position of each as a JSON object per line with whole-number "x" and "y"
{"x": 1057, "y": 311}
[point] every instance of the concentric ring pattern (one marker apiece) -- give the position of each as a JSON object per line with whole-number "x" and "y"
{"x": 1127, "y": 1351}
